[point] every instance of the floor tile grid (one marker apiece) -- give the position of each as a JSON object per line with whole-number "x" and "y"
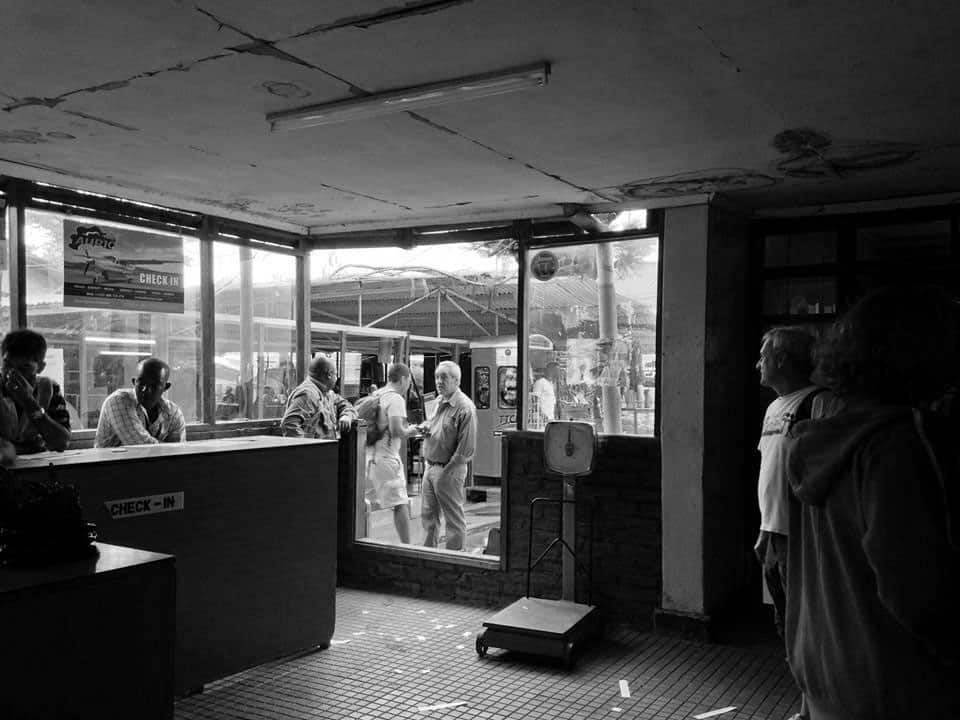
{"x": 668, "y": 678}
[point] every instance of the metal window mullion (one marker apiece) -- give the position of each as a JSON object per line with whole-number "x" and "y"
{"x": 208, "y": 333}
{"x": 16, "y": 241}
{"x": 523, "y": 231}
{"x": 303, "y": 316}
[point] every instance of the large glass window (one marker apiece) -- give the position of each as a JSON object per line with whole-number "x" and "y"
{"x": 5, "y": 217}
{"x": 101, "y": 303}
{"x": 438, "y": 302}
{"x": 591, "y": 342}
{"x": 255, "y": 357}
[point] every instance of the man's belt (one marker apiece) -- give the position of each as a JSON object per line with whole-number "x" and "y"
{"x": 431, "y": 463}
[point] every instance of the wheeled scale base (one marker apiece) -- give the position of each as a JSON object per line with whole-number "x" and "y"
{"x": 552, "y": 628}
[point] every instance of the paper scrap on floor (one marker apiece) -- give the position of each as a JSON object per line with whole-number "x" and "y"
{"x": 624, "y": 689}
{"x": 714, "y": 713}
{"x": 442, "y": 706}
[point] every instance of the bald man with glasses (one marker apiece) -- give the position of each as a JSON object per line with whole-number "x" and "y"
{"x": 313, "y": 409}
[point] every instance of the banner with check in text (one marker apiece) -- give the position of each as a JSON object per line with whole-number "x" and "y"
{"x": 121, "y": 268}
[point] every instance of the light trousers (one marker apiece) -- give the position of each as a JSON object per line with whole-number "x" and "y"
{"x": 444, "y": 498}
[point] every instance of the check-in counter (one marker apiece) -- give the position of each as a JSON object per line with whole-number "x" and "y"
{"x": 252, "y": 522}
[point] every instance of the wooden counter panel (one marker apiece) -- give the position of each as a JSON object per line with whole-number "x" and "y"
{"x": 255, "y": 545}
{"x": 89, "y": 639}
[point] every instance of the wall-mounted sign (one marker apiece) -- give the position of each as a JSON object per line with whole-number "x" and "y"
{"x": 146, "y": 505}
{"x": 544, "y": 265}
{"x": 121, "y": 269}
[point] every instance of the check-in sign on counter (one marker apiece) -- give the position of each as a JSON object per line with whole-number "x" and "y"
{"x": 146, "y": 505}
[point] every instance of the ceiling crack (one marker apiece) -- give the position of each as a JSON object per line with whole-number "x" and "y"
{"x": 107, "y": 86}
{"x": 382, "y": 16}
{"x": 104, "y": 121}
{"x": 262, "y": 46}
{"x": 510, "y": 158}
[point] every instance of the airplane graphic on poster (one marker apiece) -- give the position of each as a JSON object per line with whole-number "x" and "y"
{"x": 110, "y": 268}
{"x": 121, "y": 268}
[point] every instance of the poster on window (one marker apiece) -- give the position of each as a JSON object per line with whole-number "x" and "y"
{"x": 121, "y": 269}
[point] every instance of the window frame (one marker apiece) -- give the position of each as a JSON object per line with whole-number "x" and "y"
{"x": 19, "y": 196}
{"x": 529, "y": 247}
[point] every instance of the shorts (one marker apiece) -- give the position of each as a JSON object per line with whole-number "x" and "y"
{"x": 386, "y": 475}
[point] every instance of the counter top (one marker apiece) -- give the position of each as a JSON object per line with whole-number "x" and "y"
{"x": 110, "y": 558}
{"x": 145, "y": 452}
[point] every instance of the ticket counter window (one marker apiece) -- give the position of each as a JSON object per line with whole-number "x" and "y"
{"x": 106, "y": 295}
{"x": 591, "y": 335}
{"x": 255, "y": 334}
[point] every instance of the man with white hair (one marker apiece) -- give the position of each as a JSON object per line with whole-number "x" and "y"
{"x": 451, "y": 438}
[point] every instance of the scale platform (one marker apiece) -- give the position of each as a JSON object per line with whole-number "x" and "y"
{"x": 552, "y": 628}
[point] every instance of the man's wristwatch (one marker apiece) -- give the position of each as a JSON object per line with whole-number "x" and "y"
{"x": 37, "y": 414}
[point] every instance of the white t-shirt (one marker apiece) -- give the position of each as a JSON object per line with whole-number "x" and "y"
{"x": 392, "y": 405}
{"x": 772, "y": 490}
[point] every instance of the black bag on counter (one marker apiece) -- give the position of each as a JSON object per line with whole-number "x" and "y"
{"x": 41, "y": 522}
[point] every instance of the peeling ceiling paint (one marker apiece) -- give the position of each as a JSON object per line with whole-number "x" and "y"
{"x": 300, "y": 209}
{"x": 284, "y": 89}
{"x": 24, "y": 137}
{"x": 699, "y": 182}
{"x": 813, "y": 154}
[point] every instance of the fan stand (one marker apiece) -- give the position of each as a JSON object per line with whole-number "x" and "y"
{"x": 538, "y": 626}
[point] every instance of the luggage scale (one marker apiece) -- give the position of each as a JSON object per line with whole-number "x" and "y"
{"x": 552, "y": 628}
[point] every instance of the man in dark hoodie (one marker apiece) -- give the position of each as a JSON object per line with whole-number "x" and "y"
{"x": 873, "y": 591}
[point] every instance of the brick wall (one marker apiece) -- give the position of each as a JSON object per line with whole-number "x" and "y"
{"x": 625, "y": 488}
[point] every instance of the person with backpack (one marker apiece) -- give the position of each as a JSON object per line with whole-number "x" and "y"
{"x": 33, "y": 412}
{"x": 873, "y": 581}
{"x": 385, "y": 412}
{"x": 314, "y": 409}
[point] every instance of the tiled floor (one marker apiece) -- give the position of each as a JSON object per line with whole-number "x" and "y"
{"x": 397, "y": 657}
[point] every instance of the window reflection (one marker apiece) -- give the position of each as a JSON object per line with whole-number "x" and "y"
{"x": 92, "y": 351}
{"x": 254, "y": 296}
{"x": 591, "y": 349}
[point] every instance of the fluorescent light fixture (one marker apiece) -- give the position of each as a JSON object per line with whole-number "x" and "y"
{"x": 412, "y": 98}
{"x": 132, "y": 353}
{"x": 121, "y": 341}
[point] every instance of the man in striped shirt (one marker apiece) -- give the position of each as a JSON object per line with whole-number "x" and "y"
{"x": 141, "y": 415}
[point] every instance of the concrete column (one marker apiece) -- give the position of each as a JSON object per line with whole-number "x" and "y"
{"x": 681, "y": 368}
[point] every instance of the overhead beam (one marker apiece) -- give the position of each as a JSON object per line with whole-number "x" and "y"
{"x": 470, "y": 301}
{"x": 466, "y": 314}
{"x": 402, "y": 307}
